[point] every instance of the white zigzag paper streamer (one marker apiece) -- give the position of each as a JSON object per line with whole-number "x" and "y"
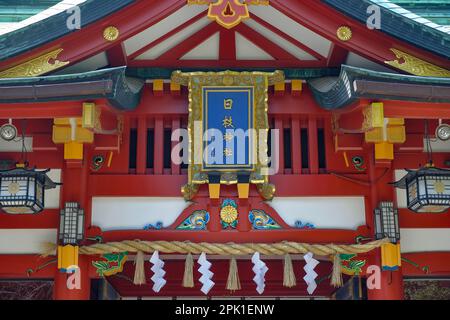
{"x": 311, "y": 275}
{"x": 207, "y": 275}
{"x": 260, "y": 269}
{"x": 158, "y": 272}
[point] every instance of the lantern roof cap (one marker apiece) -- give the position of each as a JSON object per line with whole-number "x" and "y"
{"x": 431, "y": 170}
{"x": 48, "y": 183}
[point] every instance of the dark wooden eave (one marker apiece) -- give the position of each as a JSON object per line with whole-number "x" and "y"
{"x": 122, "y": 92}
{"x": 356, "y": 83}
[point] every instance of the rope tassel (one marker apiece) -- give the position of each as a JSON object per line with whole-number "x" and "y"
{"x": 289, "y": 279}
{"x": 139, "y": 271}
{"x": 233, "y": 283}
{"x": 336, "y": 277}
{"x": 188, "y": 278}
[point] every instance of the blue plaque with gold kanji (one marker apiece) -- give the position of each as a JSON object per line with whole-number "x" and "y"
{"x": 228, "y": 120}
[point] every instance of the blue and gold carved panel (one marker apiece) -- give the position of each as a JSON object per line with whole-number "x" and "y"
{"x": 260, "y": 220}
{"x": 198, "y": 220}
{"x": 229, "y": 110}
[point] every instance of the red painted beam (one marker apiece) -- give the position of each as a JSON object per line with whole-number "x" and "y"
{"x": 416, "y": 110}
{"x": 410, "y": 219}
{"x": 319, "y": 185}
{"x": 305, "y": 236}
{"x": 47, "y": 219}
{"x": 438, "y": 264}
{"x": 117, "y": 56}
{"x": 279, "y": 106}
{"x": 42, "y": 110}
{"x": 227, "y": 45}
{"x": 169, "y": 185}
{"x": 137, "y": 186}
{"x": 18, "y": 267}
{"x": 170, "y": 63}
{"x": 337, "y": 56}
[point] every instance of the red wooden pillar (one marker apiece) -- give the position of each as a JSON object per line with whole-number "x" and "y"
{"x": 175, "y": 167}
{"x": 313, "y": 146}
{"x": 141, "y": 154}
{"x": 159, "y": 146}
{"x": 214, "y": 224}
{"x": 75, "y": 189}
{"x": 391, "y": 284}
{"x": 296, "y": 147}
{"x": 391, "y": 281}
{"x": 60, "y": 290}
{"x": 280, "y": 155}
{"x": 244, "y": 209}
{"x": 329, "y": 141}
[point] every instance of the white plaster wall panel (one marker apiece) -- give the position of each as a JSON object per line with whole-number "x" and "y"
{"x": 324, "y": 212}
{"x": 52, "y": 196}
{"x": 424, "y": 240}
{"x": 247, "y": 50}
{"x": 174, "y": 40}
{"x": 161, "y": 28}
{"x": 357, "y": 61}
{"x": 25, "y": 241}
{"x": 93, "y": 63}
{"x": 293, "y": 29}
{"x": 207, "y": 50}
{"x": 16, "y": 144}
{"x": 278, "y": 40}
{"x": 112, "y": 213}
{"x": 402, "y": 201}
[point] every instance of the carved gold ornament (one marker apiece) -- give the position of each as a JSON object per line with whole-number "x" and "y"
{"x": 36, "y": 67}
{"x": 111, "y": 33}
{"x": 416, "y": 66}
{"x": 189, "y": 191}
{"x": 228, "y": 13}
{"x": 344, "y": 33}
{"x": 228, "y": 214}
{"x": 267, "y": 191}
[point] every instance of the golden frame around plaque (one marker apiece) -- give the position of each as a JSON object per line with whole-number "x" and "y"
{"x": 195, "y": 81}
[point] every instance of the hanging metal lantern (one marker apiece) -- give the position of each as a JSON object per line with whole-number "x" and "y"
{"x": 71, "y": 229}
{"x": 386, "y": 222}
{"x": 427, "y": 189}
{"x": 22, "y": 190}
